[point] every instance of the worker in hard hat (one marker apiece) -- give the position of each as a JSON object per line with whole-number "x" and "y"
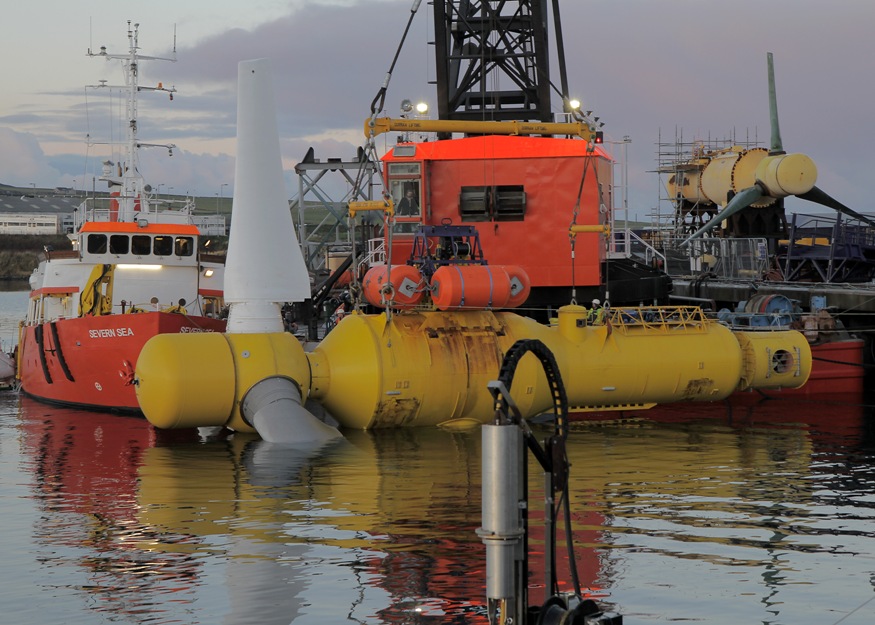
{"x": 596, "y": 314}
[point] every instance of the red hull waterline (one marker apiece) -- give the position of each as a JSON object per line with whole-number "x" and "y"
{"x": 837, "y": 368}
{"x": 89, "y": 362}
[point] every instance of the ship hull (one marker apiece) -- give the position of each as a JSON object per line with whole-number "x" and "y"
{"x": 89, "y": 362}
{"x": 837, "y": 368}
{"x": 837, "y": 372}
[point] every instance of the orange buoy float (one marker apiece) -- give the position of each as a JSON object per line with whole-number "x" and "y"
{"x": 520, "y": 285}
{"x": 457, "y": 287}
{"x": 405, "y": 283}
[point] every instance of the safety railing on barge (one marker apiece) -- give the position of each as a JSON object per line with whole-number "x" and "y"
{"x": 656, "y": 318}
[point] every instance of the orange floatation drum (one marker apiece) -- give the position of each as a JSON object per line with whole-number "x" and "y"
{"x": 406, "y": 283}
{"x": 458, "y": 287}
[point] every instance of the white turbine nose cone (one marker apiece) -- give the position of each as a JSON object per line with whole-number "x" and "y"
{"x": 264, "y": 264}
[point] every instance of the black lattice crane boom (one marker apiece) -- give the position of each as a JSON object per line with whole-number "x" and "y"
{"x": 492, "y": 60}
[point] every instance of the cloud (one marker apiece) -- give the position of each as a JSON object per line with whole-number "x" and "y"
{"x": 22, "y": 160}
{"x": 652, "y": 70}
{"x": 326, "y": 69}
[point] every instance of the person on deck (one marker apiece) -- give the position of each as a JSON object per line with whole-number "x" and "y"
{"x": 596, "y": 314}
{"x": 408, "y": 206}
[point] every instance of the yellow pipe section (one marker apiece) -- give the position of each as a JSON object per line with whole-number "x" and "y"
{"x": 583, "y": 228}
{"x": 430, "y": 368}
{"x": 200, "y": 380}
{"x": 388, "y": 124}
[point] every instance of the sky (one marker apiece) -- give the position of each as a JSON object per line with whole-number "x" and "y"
{"x": 655, "y": 71}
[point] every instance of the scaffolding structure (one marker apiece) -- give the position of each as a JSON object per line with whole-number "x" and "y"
{"x": 676, "y": 216}
{"x": 320, "y": 209}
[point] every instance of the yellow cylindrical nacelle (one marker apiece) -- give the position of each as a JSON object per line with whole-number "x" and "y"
{"x": 628, "y": 361}
{"x": 734, "y": 170}
{"x": 433, "y": 368}
{"x": 417, "y": 369}
{"x": 185, "y": 380}
{"x": 787, "y": 174}
{"x": 199, "y": 380}
{"x": 774, "y": 359}
{"x": 687, "y": 185}
{"x": 430, "y": 368}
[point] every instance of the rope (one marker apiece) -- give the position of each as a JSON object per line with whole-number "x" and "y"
{"x": 598, "y": 187}
{"x": 573, "y": 235}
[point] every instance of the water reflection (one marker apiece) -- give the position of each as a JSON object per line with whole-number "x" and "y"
{"x": 375, "y": 527}
{"x": 743, "y": 500}
{"x": 766, "y": 510}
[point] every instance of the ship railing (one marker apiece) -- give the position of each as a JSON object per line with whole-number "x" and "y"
{"x": 835, "y": 248}
{"x": 627, "y": 243}
{"x": 376, "y": 253}
{"x": 831, "y": 230}
{"x": 92, "y": 209}
{"x": 725, "y": 259}
{"x": 211, "y": 225}
{"x": 657, "y": 319}
{"x": 97, "y": 209}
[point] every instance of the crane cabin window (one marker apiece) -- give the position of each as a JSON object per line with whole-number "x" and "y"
{"x": 495, "y": 203}
{"x": 405, "y": 185}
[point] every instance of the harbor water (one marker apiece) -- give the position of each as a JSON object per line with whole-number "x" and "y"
{"x": 755, "y": 511}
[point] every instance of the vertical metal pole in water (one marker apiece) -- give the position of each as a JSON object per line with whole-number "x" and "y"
{"x": 503, "y": 530}
{"x": 549, "y": 536}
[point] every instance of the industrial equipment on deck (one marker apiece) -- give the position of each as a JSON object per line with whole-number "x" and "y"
{"x": 505, "y": 529}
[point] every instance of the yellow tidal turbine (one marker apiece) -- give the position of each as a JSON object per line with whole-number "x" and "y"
{"x": 414, "y": 368}
{"x": 256, "y": 373}
{"x": 432, "y": 368}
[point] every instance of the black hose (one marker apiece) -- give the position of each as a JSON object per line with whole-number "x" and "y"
{"x": 555, "y": 460}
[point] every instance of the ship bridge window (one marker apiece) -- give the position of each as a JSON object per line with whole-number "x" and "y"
{"x": 96, "y": 244}
{"x": 119, "y": 244}
{"x": 184, "y": 246}
{"x": 499, "y": 203}
{"x": 141, "y": 244}
{"x": 163, "y": 245}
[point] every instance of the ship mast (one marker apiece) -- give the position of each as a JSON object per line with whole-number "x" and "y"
{"x": 124, "y": 179}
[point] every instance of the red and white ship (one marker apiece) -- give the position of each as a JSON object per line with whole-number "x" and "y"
{"x": 134, "y": 271}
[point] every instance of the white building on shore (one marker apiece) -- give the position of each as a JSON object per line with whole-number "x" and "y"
{"x": 43, "y": 212}
{"x": 47, "y": 214}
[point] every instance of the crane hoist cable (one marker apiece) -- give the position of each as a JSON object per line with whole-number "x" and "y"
{"x": 574, "y": 229}
{"x": 370, "y": 154}
{"x": 380, "y": 98}
{"x": 572, "y": 235}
